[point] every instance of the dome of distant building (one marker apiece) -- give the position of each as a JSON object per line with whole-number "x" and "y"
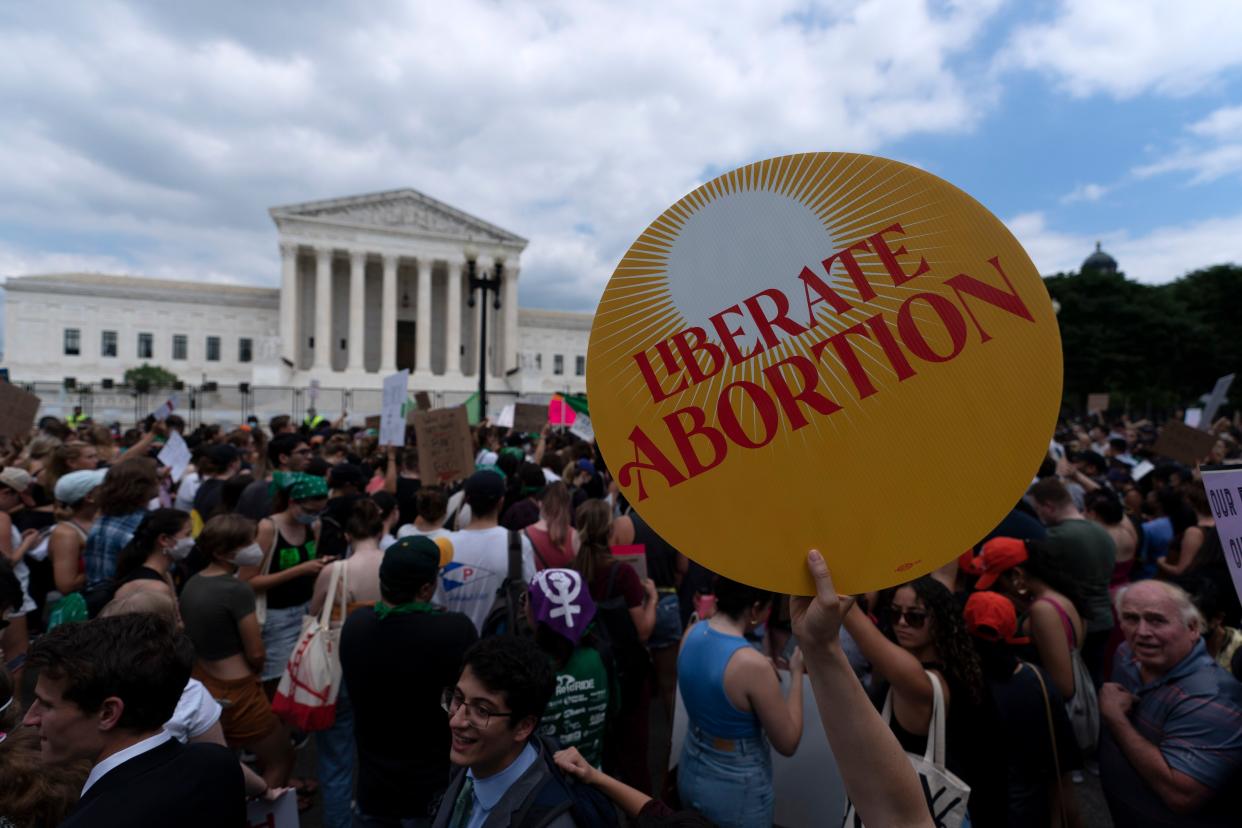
{"x": 1099, "y": 261}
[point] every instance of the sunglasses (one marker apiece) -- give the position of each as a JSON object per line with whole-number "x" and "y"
{"x": 915, "y": 618}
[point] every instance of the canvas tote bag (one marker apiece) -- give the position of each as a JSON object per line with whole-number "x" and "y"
{"x": 946, "y": 794}
{"x": 306, "y": 695}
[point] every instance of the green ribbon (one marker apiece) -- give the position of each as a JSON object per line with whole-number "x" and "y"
{"x": 383, "y": 610}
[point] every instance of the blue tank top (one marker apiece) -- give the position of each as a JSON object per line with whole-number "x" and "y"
{"x": 700, "y": 675}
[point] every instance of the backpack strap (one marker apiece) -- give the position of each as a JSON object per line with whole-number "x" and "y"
{"x": 543, "y": 562}
{"x": 612, "y": 580}
{"x": 515, "y": 556}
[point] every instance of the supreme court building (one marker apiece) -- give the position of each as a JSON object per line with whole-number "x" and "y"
{"x": 369, "y": 285}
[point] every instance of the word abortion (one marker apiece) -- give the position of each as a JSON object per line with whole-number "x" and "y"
{"x": 689, "y": 357}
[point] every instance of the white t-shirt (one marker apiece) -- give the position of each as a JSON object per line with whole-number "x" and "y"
{"x": 196, "y": 712}
{"x": 480, "y": 563}
{"x": 190, "y": 482}
{"x": 410, "y": 529}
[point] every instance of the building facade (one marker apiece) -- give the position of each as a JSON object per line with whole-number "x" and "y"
{"x": 369, "y": 285}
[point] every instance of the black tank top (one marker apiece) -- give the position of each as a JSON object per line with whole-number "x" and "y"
{"x": 296, "y": 591}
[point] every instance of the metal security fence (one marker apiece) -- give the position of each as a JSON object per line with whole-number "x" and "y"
{"x": 230, "y": 405}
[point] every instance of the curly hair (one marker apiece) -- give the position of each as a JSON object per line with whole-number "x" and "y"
{"x": 128, "y": 486}
{"x": 953, "y": 644}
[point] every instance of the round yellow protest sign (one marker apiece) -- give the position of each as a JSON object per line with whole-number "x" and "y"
{"x": 829, "y": 351}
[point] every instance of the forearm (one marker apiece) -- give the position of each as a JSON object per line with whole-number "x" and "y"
{"x": 875, "y": 770}
{"x": 262, "y": 583}
{"x": 627, "y": 799}
{"x": 1149, "y": 762}
{"x": 390, "y": 475}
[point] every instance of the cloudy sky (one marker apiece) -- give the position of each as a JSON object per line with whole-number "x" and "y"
{"x": 150, "y": 138}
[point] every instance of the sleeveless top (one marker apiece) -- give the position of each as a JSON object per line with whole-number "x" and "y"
{"x": 547, "y": 554}
{"x": 1070, "y": 638}
{"x": 296, "y": 591}
{"x": 700, "y": 674}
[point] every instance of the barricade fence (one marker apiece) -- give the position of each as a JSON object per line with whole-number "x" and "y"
{"x": 231, "y": 405}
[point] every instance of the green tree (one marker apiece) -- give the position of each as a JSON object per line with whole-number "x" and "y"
{"x": 153, "y": 375}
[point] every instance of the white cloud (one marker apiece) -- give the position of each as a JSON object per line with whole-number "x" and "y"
{"x": 1125, "y": 48}
{"x": 1085, "y": 192}
{"x": 1160, "y": 255}
{"x": 1214, "y": 152}
{"x": 165, "y": 132}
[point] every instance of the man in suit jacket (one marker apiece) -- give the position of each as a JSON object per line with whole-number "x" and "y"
{"x": 104, "y": 691}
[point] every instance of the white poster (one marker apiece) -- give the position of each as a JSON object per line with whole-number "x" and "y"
{"x": 1193, "y": 417}
{"x": 1215, "y": 400}
{"x": 1224, "y": 490}
{"x": 176, "y": 455}
{"x": 164, "y": 410}
{"x": 582, "y": 428}
{"x": 392, "y": 420}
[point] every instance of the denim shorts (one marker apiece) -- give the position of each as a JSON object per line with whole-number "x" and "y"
{"x": 728, "y": 781}
{"x": 667, "y": 631}
{"x": 281, "y": 631}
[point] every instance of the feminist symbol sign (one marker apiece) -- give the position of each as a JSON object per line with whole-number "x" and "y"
{"x": 561, "y": 587}
{"x": 829, "y": 351}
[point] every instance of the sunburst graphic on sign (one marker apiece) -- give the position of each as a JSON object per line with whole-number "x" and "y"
{"x": 767, "y": 328}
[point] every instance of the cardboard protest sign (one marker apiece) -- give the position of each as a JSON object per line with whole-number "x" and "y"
{"x": 1097, "y": 403}
{"x": 1215, "y": 400}
{"x": 1223, "y": 485}
{"x": 374, "y": 422}
{"x": 834, "y": 351}
{"x": 1182, "y": 443}
{"x": 633, "y": 555}
{"x": 529, "y": 418}
{"x": 445, "y": 449}
{"x": 423, "y": 400}
{"x": 392, "y": 416}
{"x": 18, "y": 409}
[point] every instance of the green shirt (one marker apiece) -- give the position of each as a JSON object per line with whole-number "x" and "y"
{"x": 579, "y": 708}
{"x": 1087, "y": 553}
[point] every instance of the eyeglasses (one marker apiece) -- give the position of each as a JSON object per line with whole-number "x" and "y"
{"x": 476, "y": 714}
{"x": 915, "y": 618}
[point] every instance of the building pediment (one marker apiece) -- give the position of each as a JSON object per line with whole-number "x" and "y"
{"x": 399, "y": 211}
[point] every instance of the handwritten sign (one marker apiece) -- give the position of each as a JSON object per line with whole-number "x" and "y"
{"x": 445, "y": 450}
{"x": 528, "y": 418}
{"x": 18, "y": 409}
{"x": 633, "y": 555}
{"x": 392, "y": 420}
{"x": 1223, "y": 485}
{"x": 788, "y": 334}
{"x": 1182, "y": 443}
{"x": 1097, "y": 403}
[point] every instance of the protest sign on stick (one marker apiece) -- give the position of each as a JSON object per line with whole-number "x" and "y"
{"x": 423, "y": 400}
{"x": 1215, "y": 400}
{"x": 1223, "y": 485}
{"x": 392, "y": 417}
{"x": 445, "y": 450}
{"x": 849, "y": 350}
{"x": 1182, "y": 443}
{"x": 1097, "y": 403}
{"x": 529, "y": 418}
{"x": 18, "y": 408}
{"x": 176, "y": 455}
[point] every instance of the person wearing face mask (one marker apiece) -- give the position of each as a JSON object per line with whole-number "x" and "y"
{"x": 144, "y": 563}
{"x": 286, "y": 570}
{"x": 219, "y": 614}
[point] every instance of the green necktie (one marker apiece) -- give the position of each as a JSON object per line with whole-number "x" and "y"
{"x": 464, "y": 805}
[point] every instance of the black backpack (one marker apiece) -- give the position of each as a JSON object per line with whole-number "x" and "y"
{"x": 562, "y": 794}
{"x": 508, "y": 613}
{"x": 630, "y": 657}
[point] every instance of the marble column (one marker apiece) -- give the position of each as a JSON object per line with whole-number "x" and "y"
{"x": 290, "y": 336}
{"x": 509, "y": 303}
{"x": 452, "y": 320}
{"x": 388, "y": 317}
{"x": 357, "y": 308}
{"x": 323, "y": 310}
{"x": 422, "y": 327}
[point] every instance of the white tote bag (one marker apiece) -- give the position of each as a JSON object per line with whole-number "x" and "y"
{"x": 306, "y": 695}
{"x": 946, "y": 793}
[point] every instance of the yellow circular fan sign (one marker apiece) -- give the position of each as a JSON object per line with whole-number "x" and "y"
{"x": 829, "y": 351}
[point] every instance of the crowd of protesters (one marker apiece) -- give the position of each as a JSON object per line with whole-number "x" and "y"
{"x": 500, "y": 665}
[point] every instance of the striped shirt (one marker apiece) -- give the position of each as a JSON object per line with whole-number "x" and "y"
{"x": 1193, "y": 714}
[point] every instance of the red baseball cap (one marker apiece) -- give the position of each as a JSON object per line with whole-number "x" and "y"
{"x": 998, "y": 555}
{"x": 968, "y": 563}
{"x": 992, "y": 617}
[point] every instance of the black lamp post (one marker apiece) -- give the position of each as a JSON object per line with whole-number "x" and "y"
{"x": 484, "y": 283}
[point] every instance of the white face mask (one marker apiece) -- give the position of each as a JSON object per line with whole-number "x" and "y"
{"x": 251, "y": 555}
{"x": 181, "y": 550}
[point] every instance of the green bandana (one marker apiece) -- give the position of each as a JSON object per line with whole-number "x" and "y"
{"x": 383, "y": 610}
{"x": 299, "y": 485}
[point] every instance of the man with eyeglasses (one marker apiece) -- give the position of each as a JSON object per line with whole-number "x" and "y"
{"x": 396, "y": 659}
{"x": 503, "y": 776}
{"x": 287, "y": 453}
